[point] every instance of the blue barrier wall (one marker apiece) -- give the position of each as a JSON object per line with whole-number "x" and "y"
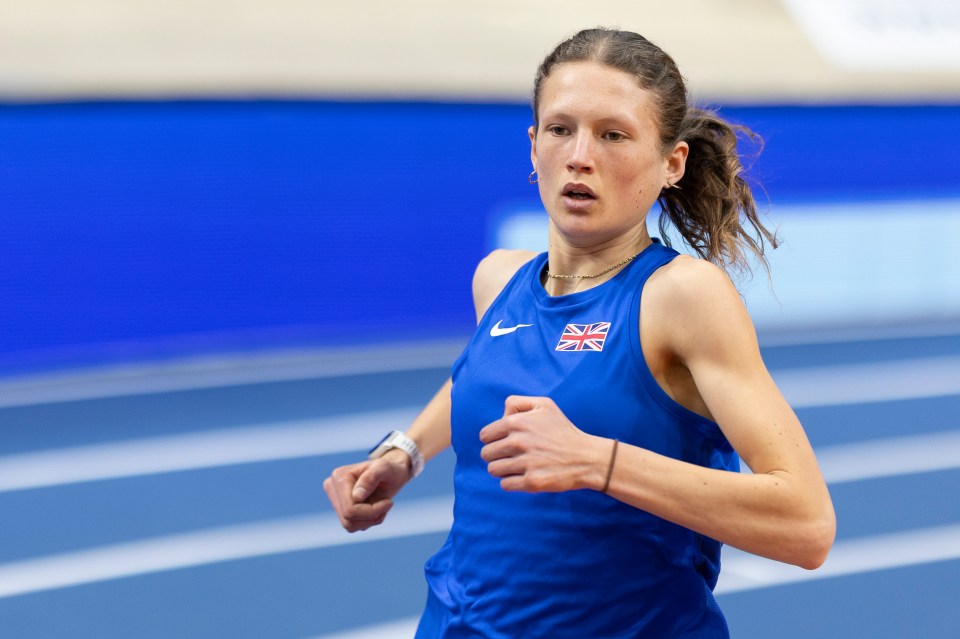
{"x": 148, "y": 229}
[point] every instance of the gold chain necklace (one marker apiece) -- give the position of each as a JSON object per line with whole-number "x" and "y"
{"x": 590, "y": 277}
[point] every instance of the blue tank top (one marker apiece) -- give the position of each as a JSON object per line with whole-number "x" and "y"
{"x": 578, "y": 564}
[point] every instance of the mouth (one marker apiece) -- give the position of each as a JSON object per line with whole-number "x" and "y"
{"x": 578, "y": 192}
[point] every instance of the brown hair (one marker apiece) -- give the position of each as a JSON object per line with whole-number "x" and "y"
{"x": 714, "y": 208}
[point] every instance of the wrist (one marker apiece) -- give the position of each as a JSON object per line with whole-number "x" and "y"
{"x": 601, "y": 463}
{"x": 610, "y": 466}
{"x": 398, "y": 443}
{"x": 400, "y": 458}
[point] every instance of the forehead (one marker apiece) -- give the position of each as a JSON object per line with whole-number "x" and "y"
{"x": 594, "y": 89}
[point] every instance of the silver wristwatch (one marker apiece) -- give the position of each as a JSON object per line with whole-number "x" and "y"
{"x": 396, "y": 439}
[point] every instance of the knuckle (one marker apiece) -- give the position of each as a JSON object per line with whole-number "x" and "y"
{"x": 519, "y": 444}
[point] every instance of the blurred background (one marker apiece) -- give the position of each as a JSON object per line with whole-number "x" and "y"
{"x": 237, "y": 241}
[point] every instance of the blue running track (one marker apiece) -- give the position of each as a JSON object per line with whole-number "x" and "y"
{"x": 185, "y": 500}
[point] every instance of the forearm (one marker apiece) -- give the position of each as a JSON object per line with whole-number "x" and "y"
{"x": 778, "y": 515}
{"x": 431, "y": 428}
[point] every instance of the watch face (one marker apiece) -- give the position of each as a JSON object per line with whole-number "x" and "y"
{"x": 381, "y": 442}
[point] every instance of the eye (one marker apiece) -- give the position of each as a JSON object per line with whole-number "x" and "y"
{"x": 556, "y": 129}
{"x": 614, "y": 136}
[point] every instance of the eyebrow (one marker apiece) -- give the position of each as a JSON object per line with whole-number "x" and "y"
{"x": 607, "y": 120}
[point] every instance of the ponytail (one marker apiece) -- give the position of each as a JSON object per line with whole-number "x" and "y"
{"x": 714, "y": 208}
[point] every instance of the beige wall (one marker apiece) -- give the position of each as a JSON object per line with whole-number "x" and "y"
{"x": 730, "y": 50}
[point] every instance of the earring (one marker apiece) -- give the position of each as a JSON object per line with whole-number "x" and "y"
{"x": 531, "y": 179}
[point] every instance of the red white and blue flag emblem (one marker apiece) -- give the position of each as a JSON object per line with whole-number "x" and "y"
{"x": 584, "y": 337}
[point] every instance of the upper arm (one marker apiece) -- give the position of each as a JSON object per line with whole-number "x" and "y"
{"x": 492, "y": 275}
{"x": 703, "y": 322}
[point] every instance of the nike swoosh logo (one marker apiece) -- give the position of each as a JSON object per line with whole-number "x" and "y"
{"x": 496, "y": 331}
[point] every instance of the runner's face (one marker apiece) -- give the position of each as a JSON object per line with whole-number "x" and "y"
{"x": 597, "y": 153}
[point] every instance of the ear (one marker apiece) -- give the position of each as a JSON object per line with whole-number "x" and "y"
{"x": 532, "y": 132}
{"x": 676, "y": 162}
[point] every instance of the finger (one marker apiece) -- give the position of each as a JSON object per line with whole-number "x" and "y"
{"x": 330, "y": 488}
{"x": 494, "y": 431}
{"x": 506, "y": 467}
{"x": 359, "y": 526}
{"x": 514, "y": 483}
{"x": 331, "y": 493}
{"x": 347, "y": 475}
{"x": 339, "y": 484}
{"x": 520, "y": 404}
{"x": 367, "y": 483}
{"x": 500, "y": 449}
{"x": 363, "y": 516}
{"x": 365, "y": 525}
{"x": 336, "y": 493}
{"x": 368, "y": 512}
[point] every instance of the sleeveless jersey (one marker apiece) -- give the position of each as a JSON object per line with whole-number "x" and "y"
{"x": 577, "y": 564}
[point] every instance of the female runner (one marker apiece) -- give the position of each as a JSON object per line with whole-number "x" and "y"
{"x": 600, "y": 409}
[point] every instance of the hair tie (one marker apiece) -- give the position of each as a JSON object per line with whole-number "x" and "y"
{"x": 613, "y": 458}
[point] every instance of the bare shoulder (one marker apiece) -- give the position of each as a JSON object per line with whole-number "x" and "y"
{"x": 692, "y": 304}
{"x": 690, "y": 281}
{"x": 492, "y": 274}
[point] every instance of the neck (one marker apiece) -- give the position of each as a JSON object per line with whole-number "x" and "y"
{"x": 571, "y": 269}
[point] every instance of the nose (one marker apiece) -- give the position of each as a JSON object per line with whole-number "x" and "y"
{"x": 581, "y": 154}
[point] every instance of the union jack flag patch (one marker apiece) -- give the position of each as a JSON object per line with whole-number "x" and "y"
{"x": 584, "y": 337}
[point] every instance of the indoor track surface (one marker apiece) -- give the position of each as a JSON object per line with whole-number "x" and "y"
{"x": 185, "y": 500}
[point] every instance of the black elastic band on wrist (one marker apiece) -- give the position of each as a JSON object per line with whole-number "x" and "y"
{"x": 613, "y": 458}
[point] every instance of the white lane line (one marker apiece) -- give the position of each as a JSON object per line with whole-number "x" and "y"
{"x": 394, "y": 630}
{"x": 856, "y": 334}
{"x": 741, "y": 571}
{"x": 214, "y": 546}
{"x": 874, "y": 382}
{"x": 216, "y": 371}
{"x": 191, "y": 451}
{"x": 890, "y": 457}
{"x": 812, "y": 386}
{"x": 353, "y": 434}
